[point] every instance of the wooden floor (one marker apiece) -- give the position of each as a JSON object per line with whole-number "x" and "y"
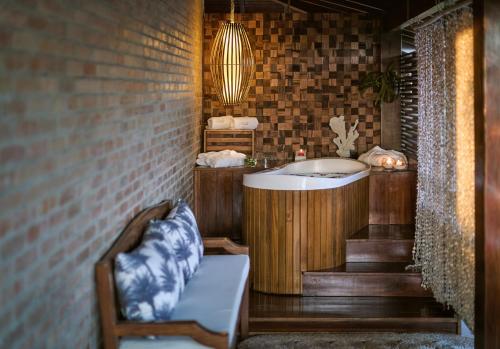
{"x": 373, "y": 291}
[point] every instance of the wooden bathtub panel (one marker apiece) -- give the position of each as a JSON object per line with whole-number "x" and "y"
{"x": 297, "y": 241}
{"x": 293, "y": 231}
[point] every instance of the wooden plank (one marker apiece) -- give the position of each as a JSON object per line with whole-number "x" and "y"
{"x": 304, "y": 208}
{"x": 378, "y": 199}
{"x": 224, "y": 203}
{"x": 329, "y": 240}
{"x": 392, "y": 197}
{"x": 208, "y": 196}
{"x": 330, "y": 324}
{"x": 218, "y": 200}
{"x": 379, "y": 250}
{"x": 275, "y": 242}
{"x": 342, "y": 224}
{"x": 282, "y": 243}
{"x": 366, "y": 285}
{"x": 239, "y": 148}
{"x": 251, "y": 233}
{"x": 238, "y": 140}
{"x": 232, "y": 140}
{"x": 402, "y": 193}
{"x": 310, "y": 231}
{"x": 325, "y": 251}
{"x": 317, "y": 229}
{"x": 289, "y": 241}
{"x": 237, "y": 206}
{"x": 297, "y": 272}
{"x": 279, "y": 313}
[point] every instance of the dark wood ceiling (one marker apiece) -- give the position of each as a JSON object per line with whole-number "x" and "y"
{"x": 220, "y": 6}
{"x": 393, "y": 12}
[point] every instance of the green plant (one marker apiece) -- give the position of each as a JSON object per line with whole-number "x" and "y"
{"x": 385, "y": 85}
{"x": 250, "y": 162}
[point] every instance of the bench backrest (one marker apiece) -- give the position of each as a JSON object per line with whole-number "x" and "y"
{"x": 128, "y": 239}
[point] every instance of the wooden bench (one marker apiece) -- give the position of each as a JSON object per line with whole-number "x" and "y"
{"x": 115, "y": 326}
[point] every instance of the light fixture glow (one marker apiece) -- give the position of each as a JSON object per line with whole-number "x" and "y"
{"x": 464, "y": 130}
{"x": 231, "y": 62}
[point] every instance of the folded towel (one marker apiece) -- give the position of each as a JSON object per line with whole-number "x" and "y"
{"x": 376, "y": 157}
{"x": 245, "y": 123}
{"x": 224, "y": 158}
{"x": 220, "y": 122}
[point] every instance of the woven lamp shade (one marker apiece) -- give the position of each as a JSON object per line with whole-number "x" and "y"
{"x": 232, "y": 63}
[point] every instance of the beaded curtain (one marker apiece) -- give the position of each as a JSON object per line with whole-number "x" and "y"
{"x": 444, "y": 237}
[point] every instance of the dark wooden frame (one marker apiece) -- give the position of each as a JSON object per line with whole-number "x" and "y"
{"x": 114, "y": 326}
{"x": 487, "y": 147}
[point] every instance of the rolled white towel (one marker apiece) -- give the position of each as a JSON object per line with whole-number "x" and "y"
{"x": 245, "y": 123}
{"x": 377, "y": 155}
{"x": 220, "y": 122}
{"x": 224, "y": 158}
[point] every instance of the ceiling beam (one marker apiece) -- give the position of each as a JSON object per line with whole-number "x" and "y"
{"x": 287, "y": 5}
{"x": 336, "y": 3}
{"x": 366, "y": 5}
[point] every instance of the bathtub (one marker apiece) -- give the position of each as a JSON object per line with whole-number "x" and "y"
{"x": 309, "y": 175}
{"x": 297, "y": 218}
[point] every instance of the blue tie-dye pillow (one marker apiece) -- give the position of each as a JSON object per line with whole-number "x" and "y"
{"x": 149, "y": 280}
{"x": 180, "y": 231}
{"x": 183, "y": 213}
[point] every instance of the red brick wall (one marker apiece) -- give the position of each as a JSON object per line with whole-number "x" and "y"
{"x": 100, "y": 113}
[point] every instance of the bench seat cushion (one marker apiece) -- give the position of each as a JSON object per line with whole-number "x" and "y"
{"x": 212, "y": 297}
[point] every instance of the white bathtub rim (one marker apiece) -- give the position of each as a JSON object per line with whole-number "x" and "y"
{"x": 273, "y": 180}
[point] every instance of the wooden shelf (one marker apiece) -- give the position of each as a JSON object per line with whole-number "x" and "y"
{"x": 242, "y": 141}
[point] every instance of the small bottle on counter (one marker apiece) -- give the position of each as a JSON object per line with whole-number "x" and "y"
{"x": 300, "y": 155}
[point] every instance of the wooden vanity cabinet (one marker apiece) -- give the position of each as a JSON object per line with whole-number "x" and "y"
{"x": 218, "y": 200}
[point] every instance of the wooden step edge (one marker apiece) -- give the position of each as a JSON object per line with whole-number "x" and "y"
{"x": 354, "y": 258}
{"x": 450, "y": 319}
{"x": 379, "y": 240}
{"x": 357, "y": 273}
{"x": 349, "y": 325}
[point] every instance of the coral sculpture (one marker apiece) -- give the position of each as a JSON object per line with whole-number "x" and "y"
{"x": 344, "y": 142}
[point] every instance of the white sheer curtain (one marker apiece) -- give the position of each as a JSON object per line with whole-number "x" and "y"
{"x": 444, "y": 241}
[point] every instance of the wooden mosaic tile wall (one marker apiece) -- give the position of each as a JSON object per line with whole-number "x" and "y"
{"x": 308, "y": 69}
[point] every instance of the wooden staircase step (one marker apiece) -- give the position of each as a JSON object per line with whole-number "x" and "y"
{"x": 381, "y": 243}
{"x": 365, "y": 279}
{"x": 386, "y": 232}
{"x": 379, "y": 251}
{"x": 278, "y": 313}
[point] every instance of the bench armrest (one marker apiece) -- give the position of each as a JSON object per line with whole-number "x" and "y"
{"x": 172, "y": 328}
{"x": 226, "y": 244}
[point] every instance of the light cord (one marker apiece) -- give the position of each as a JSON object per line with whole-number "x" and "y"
{"x": 232, "y": 11}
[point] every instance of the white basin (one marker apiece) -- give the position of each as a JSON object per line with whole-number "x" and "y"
{"x": 312, "y": 174}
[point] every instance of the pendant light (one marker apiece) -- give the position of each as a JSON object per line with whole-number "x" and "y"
{"x": 231, "y": 62}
